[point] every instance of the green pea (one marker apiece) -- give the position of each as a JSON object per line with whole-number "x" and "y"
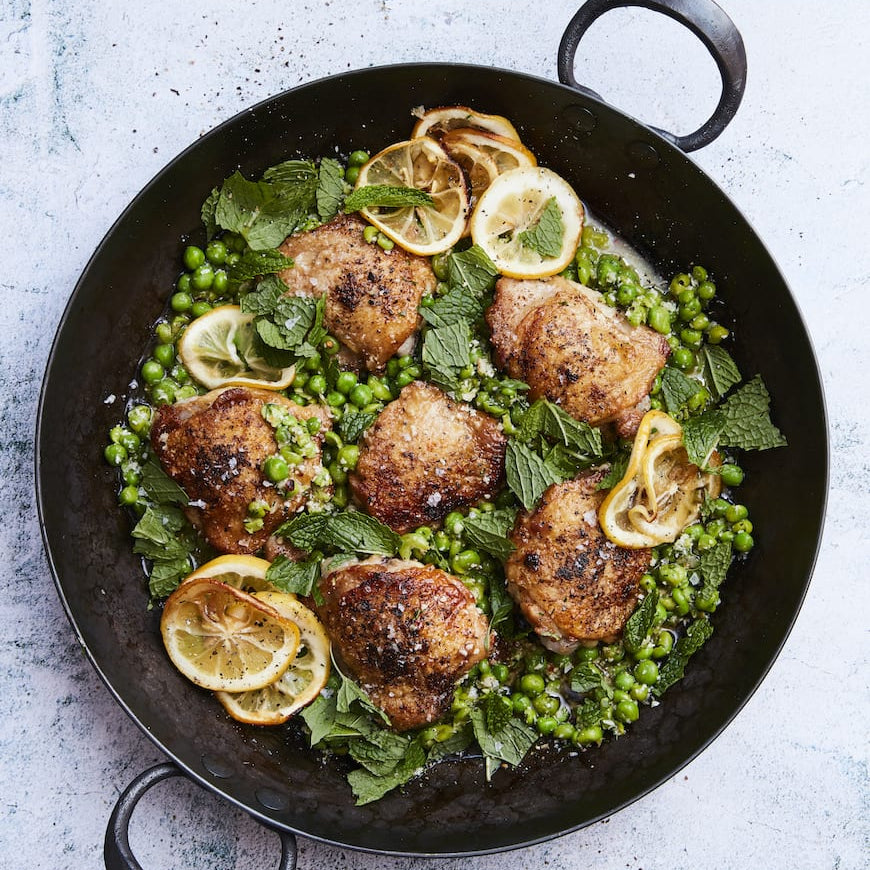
{"x": 626, "y": 294}
{"x": 736, "y": 512}
{"x": 743, "y": 542}
{"x": 717, "y": 334}
{"x": 360, "y": 395}
{"x": 679, "y": 284}
{"x": 545, "y": 705}
{"x": 738, "y": 527}
{"x": 233, "y": 259}
{"x": 335, "y": 399}
{"x": 276, "y": 469}
{"x": 202, "y": 277}
{"x": 689, "y": 310}
{"x": 345, "y": 382}
{"x": 491, "y": 406}
{"x": 701, "y": 322}
{"x": 664, "y": 644}
{"x": 216, "y": 252}
{"x": 639, "y": 692}
{"x": 403, "y": 379}
{"x": 624, "y": 680}
{"x": 351, "y": 174}
{"x": 681, "y": 602}
{"x": 441, "y": 542}
{"x": 659, "y": 319}
{"x": 547, "y": 725}
{"x": 331, "y": 345}
{"x": 380, "y": 390}
{"x": 520, "y": 702}
{"x": 532, "y": 684}
{"x": 732, "y": 475}
{"x": 715, "y": 526}
{"x": 464, "y": 561}
{"x": 647, "y": 582}
{"x": 454, "y": 523}
{"x": 181, "y": 301}
{"x": 132, "y": 443}
{"x": 139, "y": 418}
{"x": 586, "y": 654}
{"x": 705, "y": 542}
{"x": 691, "y": 337}
{"x": 501, "y": 672}
{"x": 673, "y": 574}
{"x": 627, "y": 711}
{"x": 152, "y": 371}
{"x": 385, "y": 243}
{"x": 193, "y": 257}
{"x": 441, "y": 266}
{"x": 564, "y": 731}
{"x": 613, "y": 652}
{"x": 348, "y": 456}
{"x": 370, "y": 234}
{"x": 535, "y": 661}
{"x": 698, "y": 401}
{"x": 699, "y": 273}
{"x": 183, "y": 283}
{"x": 684, "y": 359}
{"x": 726, "y": 535}
{"x": 128, "y": 496}
{"x": 587, "y": 736}
{"x": 706, "y": 290}
{"x": 131, "y": 473}
{"x": 200, "y": 308}
{"x": 646, "y": 672}
{"x": 707, "y": 601}
{"x": 220, "y": 283}
{"x": 358, "y": 158}
{"x": 115, "y": 454}
{"x": 313, "y": 363}
{"x": 316, "y": 385}
{"x": 165, "y": 354}
{"x": 414, "y": 370}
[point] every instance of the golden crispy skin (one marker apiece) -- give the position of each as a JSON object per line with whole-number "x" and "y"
{"x": 425, "y": 456}
{"x": 372, "y": 295}
{"x": 214, "y": 447}
{"x": 571, "y": 582}
{"x": 569, "y": 346}
{"x": 406, "y": 631}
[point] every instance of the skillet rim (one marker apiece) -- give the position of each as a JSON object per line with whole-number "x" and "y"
{"x": 155, "y": 180}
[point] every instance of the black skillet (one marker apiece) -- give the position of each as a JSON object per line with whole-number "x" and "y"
{"x": 643, "y": 186}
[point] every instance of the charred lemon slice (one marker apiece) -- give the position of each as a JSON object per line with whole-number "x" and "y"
{"x": 436, "y": 122}
{"x": 219, "y": 349}
{"x": 224, "y": 639}
{"x": 299, "y": 684}
{"x": 421, "y": 163}
{"x": 247, "y": 573}
{"x": 661, "y": 492}
{"x": 506, "y": 153}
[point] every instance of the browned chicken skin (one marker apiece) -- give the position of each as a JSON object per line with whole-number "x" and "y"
{"x": 372, "y": 295}
{"x": 407, "y": 633}
{"x": 571, "y": 582}
{"x": 425, "y": 456}
{"x": 214, "y": 446}
{"x": 569, "y": 346}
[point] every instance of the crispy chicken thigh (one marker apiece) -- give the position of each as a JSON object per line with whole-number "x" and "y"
{"x": 372, "y": 295}
{"x": 571, "y": 582}
{"x": 214, "y": 446}
{"x": 406, "y": 631}
{"x": 425, "y": 456}
{"x": 570, "y": 347}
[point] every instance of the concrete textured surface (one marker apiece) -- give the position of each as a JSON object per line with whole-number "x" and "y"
{"x": 96, "y": 97}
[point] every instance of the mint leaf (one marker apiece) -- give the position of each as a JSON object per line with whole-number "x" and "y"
{"x": 720, "y": 372}
{"x": 471, "y": 270}
{"x": 353, "y": 423}
{"x": 252, "y": 264}
{"x": 381, "y": 751}
{"x": 713, "y": 566}
{"x": 576, "y": 434}
{"x": 207, "y": 213}
{"x": 615, "y": 473}
{"x": 640, "y": 622}
{"x": 457, "y": 305}
{"x": 509, "y": 743}
{"x": 330, "y": 188}
{"x": 356, "y": 532}
{"x": 747, "y": 419}
{"x": 545, "y": 237}
{"x": 386, "y": 196}
{"x": 446, "y": 351}
{"x": 528, "y": 474}
{"x": 488, "y": 532}
{"x": 501, "y": 604}
{"x": 303, "y": 531}
{"x": 166, "y": 576}
{"x": 587, "y": 714}
{"x": 159, "y": 486}
{"x": 451, "y": 746}
{"x": 697, "y": 634}
{"x": 297, "y": 180}
{"x": 701, "y": 435}
{"x": 300, "y": 578}
{"x": 586, "y": 677}
{"x": 288, "y": 323}
{"x": 497, "y": 711}
{"x": 350, "y": 692}
{"x": 368, "y": 787}
{"x": 677, "y": 389}
{"x": 320, "y": 716}
{"x": 264, "y": 298}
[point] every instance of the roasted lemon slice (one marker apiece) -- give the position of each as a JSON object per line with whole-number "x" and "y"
{"x": 218, "y": 349}
{"x": 436, "y": 122}
{"x": 506, "y": 153}
{"x": 529, "y": 222}
{"x": 299, "y": 684}
{"x": 424, "y": 164}
{"x": 247, "y": 573}
{"x": 224, "y": 639}
{"x": 661, "y": 492}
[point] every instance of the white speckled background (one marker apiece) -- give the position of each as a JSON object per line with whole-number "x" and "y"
{"x": 96, "y": 97}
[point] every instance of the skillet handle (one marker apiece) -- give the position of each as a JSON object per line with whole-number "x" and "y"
{"x": 708, "y": 22}
{"x": 117, "y": 853}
